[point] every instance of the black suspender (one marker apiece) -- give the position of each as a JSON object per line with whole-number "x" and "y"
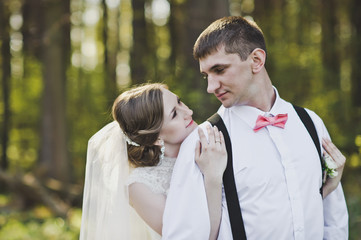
{"x": 310, "y": 126}
{"x": 234, "y": 210}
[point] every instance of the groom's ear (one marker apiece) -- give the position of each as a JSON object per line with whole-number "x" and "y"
{"x": 258, "y": 59}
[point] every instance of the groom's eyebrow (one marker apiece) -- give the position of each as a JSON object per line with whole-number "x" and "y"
{"x": 215, "y": 66}
{"x": 218, "y": 65}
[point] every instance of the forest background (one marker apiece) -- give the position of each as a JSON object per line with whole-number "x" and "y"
{"x": 63, "y": 62}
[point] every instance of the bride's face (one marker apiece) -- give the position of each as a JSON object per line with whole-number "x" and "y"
{"x": 178, "y": 122}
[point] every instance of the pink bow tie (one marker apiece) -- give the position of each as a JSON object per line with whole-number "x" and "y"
{"x": 277, "y": 121}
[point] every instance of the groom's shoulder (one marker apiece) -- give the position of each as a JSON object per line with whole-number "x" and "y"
{"x": 193, "y": 136}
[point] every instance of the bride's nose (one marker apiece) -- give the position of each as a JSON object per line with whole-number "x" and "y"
{"x": 187, "y": 111}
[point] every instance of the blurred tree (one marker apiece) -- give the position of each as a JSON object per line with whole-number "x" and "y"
{"x": 6, "y": 75}
{"x": 330, "y": 45}
{"x": 191, "y": 18}
{"x": 140, "y": 48}
{"x": 111, "y": 49}
{"x": 305, "y": 62}
{"x": 305, "y": 18}
{"x": 187, "y": 21}
{"x": 355, "y": 49}
{"x": 32, "y": 27}
{"x": 55, "y": 48}
{"x": 277, "y": 22}
{"x": 272, "y": 25}
{"x": 292, "y": 46}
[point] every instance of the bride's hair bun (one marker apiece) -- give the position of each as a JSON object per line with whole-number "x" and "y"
{"x": 139, "y": 112}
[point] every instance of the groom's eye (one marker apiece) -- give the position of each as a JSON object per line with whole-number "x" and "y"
{"x": 218, "y": 70}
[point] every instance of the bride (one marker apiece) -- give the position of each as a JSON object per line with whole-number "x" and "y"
{"x": 130, "y": 162}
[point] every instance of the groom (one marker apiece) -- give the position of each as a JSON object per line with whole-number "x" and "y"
{"x": 277, "y": 170}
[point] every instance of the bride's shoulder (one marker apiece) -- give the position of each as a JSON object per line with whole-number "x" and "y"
{"x": 157, "y": 178}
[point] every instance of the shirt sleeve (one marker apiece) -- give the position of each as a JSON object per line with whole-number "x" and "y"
{"x": 334, "y": 205}
{"x": 186, "y": 212}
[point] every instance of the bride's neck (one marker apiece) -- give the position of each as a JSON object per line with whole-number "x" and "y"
{"x": 171, "y": 151}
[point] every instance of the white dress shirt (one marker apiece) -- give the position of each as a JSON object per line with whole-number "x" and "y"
{"x": 278, "y": 176}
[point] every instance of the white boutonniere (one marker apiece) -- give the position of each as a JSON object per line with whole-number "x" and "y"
{"x": 330, "y": 166}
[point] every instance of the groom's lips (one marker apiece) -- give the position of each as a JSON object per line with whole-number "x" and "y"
{"x": 220, "y": 95}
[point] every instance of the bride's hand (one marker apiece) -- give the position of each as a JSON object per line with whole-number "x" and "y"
{"x": 339, "y": 160}
{"x": 211, "y": 155}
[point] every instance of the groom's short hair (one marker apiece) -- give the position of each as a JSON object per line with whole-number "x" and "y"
{"x": 237, "y": 35}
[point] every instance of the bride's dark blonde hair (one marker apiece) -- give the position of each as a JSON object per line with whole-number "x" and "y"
{"x": 139, "y": 112}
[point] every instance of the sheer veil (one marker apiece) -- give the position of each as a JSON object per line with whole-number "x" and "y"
{"x": 106, "y": 211}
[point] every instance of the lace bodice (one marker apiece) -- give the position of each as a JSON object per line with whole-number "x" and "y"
{"x": 157, "y": 178}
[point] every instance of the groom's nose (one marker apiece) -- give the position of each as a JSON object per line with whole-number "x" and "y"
{"x": 213, "y": 85}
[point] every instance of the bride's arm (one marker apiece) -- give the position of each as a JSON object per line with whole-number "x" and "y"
{"x": 212, "y": 160}
{"x": 148, "y": 205}
{"x": 339, "y": 159}
{"x": 211, "y": 157}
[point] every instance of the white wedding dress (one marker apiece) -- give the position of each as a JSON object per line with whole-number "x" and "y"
{"x": 106, "y": 213}
{"x": 157, "y": 178}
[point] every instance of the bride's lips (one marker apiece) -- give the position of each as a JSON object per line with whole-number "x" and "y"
{"x": 191, "y": 122}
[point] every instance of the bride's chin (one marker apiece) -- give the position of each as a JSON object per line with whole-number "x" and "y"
{"x": 192, "y": 127}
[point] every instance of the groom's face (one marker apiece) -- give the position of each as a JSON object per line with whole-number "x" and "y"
{"x": 229, "y": 78}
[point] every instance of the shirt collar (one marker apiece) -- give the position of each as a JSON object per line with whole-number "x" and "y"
{"x": 250, "y": 114}
{"x": 279, "y": 106}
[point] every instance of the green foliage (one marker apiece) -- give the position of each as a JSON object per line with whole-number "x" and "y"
{"x": 88, "y": 109}
{"x": 351, "y": 182}
{"x": 25, "y": 104}
{"x": 294, "y": 62}
{"x": 39, "y": 224}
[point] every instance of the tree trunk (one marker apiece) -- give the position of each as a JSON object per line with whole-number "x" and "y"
{"x": 140, "y": 49}
{"x": 54, "y": 161}
{"x": 111, "y": 48}
{"x": 200, "y": 14}
{"x": 355, "y": 17}
{"x": 105, "y": 32}
{"x": 29, "y": 191}
{"x": 197, "y": 16}
{"x": 33, "y": 22}
{"x": 270, "y": 15}
{"x": 305, "y": 18}
{"x": 329, "y": 45}
{"x": 6, "y": 74}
